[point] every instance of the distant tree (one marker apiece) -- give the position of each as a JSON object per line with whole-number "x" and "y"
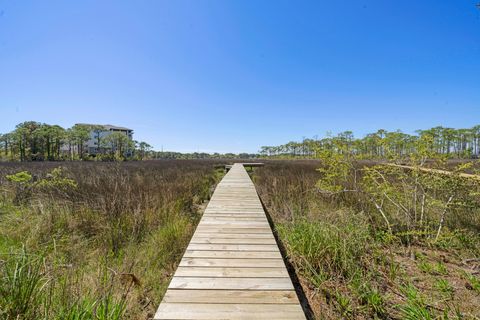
{"x": 118, "y": 145}
{"x": 26, "y": 138}
{"x": 52, "y": 137}
{"x": 6, "y": 144}
{"x": 78, "y": 136}
{"x": 144, "y": 148}
{"x": 97, "y": 130}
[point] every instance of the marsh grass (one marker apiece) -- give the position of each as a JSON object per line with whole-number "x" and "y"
{"x": 21, "y": 284}
{"x": 105, "y": 248}
{"x": 327, "y": 249}
{"x": 352, "y": 266}
{"x": 415, "y": 307}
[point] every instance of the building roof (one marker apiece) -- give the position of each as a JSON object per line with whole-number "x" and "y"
{"x": 109, "y": 126}
{"x": 106, "y": 126}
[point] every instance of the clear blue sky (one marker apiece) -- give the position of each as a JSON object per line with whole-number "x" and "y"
{"x": 234, "y": 75}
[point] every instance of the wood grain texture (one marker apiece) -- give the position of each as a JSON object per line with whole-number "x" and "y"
{"x": 229, "y": 311}
{"x": 231, "y": 272}
{"x": 232, "y": 254}
{"x": 231, "y": 296}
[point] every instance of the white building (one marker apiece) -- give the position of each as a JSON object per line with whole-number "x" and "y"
{"x": 99, "y": 132}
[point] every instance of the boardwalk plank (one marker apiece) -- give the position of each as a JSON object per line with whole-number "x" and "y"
{"x": 227, "y": 262}
{"x": 233, "y": 247}
{"x": 229, "y": 311}
{"x": 231, "y": 296}
{"x": 232, "y": 254}
{"x": 212, "y": 235}
{"x": 215, "y": 283}
{"x": 206, "y": 240}
{"x": 231, "y": 272}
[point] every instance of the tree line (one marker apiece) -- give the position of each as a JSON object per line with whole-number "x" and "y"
{"x": 452, "y": 143}
{"x": 35, "y": 141}
{"x": 200, "y": 155}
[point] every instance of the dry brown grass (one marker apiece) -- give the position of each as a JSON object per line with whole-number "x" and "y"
{"x": 114, "y": 240}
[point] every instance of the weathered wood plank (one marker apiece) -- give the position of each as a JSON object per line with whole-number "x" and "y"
{"x": 231, "y": 272}
{"x": 226, "y": 262}
{"x": 233, "y": 247}
{"x": 233, "y": 230}
{"x": 233, "y": 254}
{"x": 234, "y": 215}
{"x": 212, "y": 235}
{"x": 235, "y": 224}
{"x": 229, "y": 311}
{"x": 205, "y": 240}
{"x": 215, "y": 283}
{"x": 231, "y": 296}
{"x": 233, "y": 219}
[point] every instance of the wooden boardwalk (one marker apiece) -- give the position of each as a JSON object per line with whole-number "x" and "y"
{"x": 232, "y": 268}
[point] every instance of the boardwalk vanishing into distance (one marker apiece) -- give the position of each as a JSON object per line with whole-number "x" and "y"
{"x": 232, "y": 268}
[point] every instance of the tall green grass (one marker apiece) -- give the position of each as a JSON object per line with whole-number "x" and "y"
{"x": 325, "y": 249}
{"x": 21, "y": 285}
